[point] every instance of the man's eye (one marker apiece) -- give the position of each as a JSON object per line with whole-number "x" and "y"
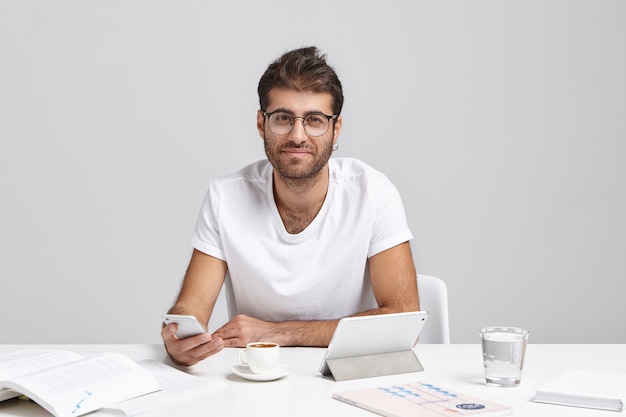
{"x": 282, "y": 118}
{"x": 315, "y": 120}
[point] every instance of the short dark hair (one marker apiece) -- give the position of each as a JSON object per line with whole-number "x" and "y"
{"x": 303, "y": 69}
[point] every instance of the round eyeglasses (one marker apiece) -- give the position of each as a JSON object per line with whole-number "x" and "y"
{"x": 315, "y": 123}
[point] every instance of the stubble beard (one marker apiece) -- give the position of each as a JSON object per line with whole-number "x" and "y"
{"x": 295, "y": 172}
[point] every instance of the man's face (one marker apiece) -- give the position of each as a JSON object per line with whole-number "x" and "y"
{"x": 297, "y": 155}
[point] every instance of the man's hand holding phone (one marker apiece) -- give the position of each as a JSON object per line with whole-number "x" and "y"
{"x": 187, "y": 341}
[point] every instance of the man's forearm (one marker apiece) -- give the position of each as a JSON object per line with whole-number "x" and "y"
{"x": 304, "y": 333}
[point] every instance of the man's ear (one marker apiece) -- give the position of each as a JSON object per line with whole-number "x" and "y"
{"x": 337, "y": 128}
{"x": 260, "y": 123}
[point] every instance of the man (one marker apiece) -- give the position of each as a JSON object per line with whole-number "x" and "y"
{"x": 300, "y": 240}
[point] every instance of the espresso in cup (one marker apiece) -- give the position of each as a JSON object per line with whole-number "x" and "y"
{"x": 263, "y": 345}
{"x": 260, "y": 357}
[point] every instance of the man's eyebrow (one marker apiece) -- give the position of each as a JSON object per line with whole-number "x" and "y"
{"x": 284, "y": 110}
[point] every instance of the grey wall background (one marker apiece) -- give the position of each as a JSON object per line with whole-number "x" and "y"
{"x": 503, "y": 124}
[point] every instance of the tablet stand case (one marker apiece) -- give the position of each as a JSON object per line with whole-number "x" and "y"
{"x": 342, "y": 369}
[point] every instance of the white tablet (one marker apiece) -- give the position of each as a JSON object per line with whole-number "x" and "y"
{"x": 370, "y": 335}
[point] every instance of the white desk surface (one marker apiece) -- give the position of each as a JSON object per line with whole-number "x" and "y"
{"x": 305, "y": 392}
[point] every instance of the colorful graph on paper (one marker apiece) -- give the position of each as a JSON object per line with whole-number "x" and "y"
{"x": 420, "y": 399}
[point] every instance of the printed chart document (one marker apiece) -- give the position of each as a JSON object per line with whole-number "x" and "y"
{"x": 176, "y": 387}
{"x": 66, "y": 384}
{"x": 577, "y": 388}
{"x": 420, "y": 399}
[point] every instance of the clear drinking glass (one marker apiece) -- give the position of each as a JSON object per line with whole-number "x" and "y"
{"x": 503, "y": 354}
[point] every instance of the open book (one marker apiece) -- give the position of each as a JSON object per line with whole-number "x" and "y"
{"x": 420, "y": 399}
{"x": 66, "y": 384}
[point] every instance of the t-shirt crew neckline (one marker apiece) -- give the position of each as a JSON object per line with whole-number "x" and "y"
{"x": 278, "y": 222}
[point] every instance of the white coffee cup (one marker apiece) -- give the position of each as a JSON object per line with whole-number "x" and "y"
{"x": 260, "y": 357}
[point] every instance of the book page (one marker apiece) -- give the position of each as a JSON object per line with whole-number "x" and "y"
{"x": 85, "y": 385}
{"x": 31, "y": 360}
{"x": 26, "y": 361}
{"x": 176, "y": 387}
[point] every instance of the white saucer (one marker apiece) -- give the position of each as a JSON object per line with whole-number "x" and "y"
{"x": 245, "y": 372}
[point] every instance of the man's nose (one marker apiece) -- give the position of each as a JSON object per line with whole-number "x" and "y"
{"x": 298, "y": 131}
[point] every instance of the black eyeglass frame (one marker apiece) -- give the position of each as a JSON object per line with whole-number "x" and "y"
{"x": 317, "y": 113}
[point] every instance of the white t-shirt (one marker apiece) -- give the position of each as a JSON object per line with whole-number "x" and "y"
{"x": 318, "y": 274}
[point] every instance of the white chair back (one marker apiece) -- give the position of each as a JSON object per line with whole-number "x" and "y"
{"x": 433, "y": 296}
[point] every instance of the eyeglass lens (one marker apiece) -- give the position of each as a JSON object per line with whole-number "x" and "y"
{"x": 315, "y": 124}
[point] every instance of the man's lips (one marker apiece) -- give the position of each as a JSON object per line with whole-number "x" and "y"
{"x": 296, "y": 151}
